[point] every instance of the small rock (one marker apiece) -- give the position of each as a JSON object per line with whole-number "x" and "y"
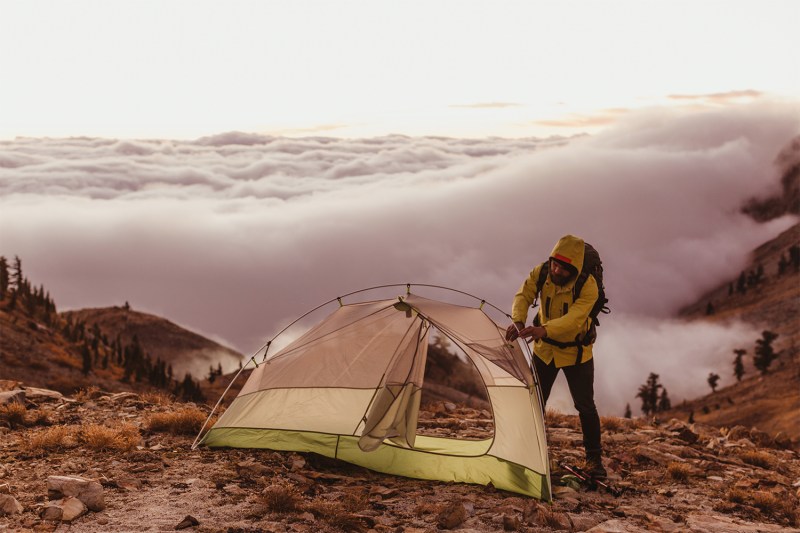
{"x": 188, "y": 521}
{"x": 34, "y": 393}
{"x": 383, "y": 492}
{"x": 52, "y": 511}
{"x": 72, "y": 508}
{"x": 88, "y": 491}
{"x": 7, "y": 385}
{"x": 308, "y": 517}
{"x": 16, "y": 395}
{"x": 450, "y": 407}
{"x": 9, "y": 505}
{"x": 65, "y": 510}
{"x": 5, "y": 488}
{"x": 452, "y": 516}
{"x": 129, "y": 484}
{"x": 298, "y": 463}
{"x": 510, "y": 523}
{"x": 657, "y": 456}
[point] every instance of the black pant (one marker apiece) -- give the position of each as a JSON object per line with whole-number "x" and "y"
{"x": 580, "y": 379}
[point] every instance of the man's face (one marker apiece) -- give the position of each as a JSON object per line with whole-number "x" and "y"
{"x": 559, "y": 274}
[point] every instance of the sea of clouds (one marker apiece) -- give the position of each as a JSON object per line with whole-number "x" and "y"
{"x": 237, "y": 234}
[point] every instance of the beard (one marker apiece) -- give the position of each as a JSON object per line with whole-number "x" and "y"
{"x": 562, "y": 279}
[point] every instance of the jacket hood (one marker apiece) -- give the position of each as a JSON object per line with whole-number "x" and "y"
{"x": 569, "y": 250}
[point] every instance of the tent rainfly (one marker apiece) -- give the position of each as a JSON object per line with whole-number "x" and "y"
{"x": 350, "y": 389}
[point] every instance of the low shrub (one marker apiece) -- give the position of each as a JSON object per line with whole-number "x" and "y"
{"x": 185, "y": 421}
{"x": 12, "y": 414}
{"x": 103, "y": 438}
{"x": 282, "y": 498}
{"x": 679, "y": 471}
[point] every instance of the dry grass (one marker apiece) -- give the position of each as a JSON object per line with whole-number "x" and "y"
{"x": 738, "y": 496}
{"x": 612, "y": 423}
{"x": 557, "y": 419}
{"x": 335, "y": 514}
{"x": 355, "y": 501}
{"x": 103, "y": 438}
{"x": 427, "y": 508}
{"x": 282, "y": 498}
{"x": 87, "y": 394}
{"x": 38, "y": 417}
{"x": 13, "y": 414}
{"x": 679, "y": 471}
{"x": 775, "y": 507}
{"x": 158, "y": 398}
{"x": 185, "y": 421}
{"x": 52, "y": 439}
{"x": 757, "y": 458}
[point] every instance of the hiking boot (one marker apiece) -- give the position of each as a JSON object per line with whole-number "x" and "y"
{"x": 595, "y": 467}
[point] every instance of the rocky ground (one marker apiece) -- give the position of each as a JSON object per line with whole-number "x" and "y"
{"x": 134, "y": 453}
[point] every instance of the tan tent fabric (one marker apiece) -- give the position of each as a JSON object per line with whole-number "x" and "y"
{"x": 350, "y": 388}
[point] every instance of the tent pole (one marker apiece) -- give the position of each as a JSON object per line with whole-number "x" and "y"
{"x": 211, "y": 414}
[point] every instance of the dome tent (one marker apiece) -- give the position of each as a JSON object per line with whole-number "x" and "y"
{"x": 350, "y": 389}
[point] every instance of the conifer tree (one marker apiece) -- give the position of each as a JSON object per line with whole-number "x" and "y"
{"x": 649, "y": 394}
{"x": 628, "y": 413}
{"x": 713, "y": 379}
{"x": 664, "y": 403}
{"x": 4, "y": 276}
{"x": 87, "y": 358}
{"x": 738, "y": 364}
{"x": 764, "y": 352}
{"x": 16, "y": 274}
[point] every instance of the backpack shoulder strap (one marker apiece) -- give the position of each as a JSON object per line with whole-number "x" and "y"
{"x": 579, "y": 283}
{"x": 543, "y": 272}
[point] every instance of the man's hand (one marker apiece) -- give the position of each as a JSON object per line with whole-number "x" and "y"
{"x": 512, "y": 332}
{"x": 534, "y": 332}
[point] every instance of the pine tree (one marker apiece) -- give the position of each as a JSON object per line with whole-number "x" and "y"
{"x": 4, "y": 277}
{"x": 738, "y": 364}
{"x": 649, "y": 394}
{"x": 628, "y": 413}
{"x": 16, "y": 274}
{"x": 664, "y": 403}
{"x": 87, "y": 358}
{"x": 764, "y": 352}
{"x": 713, "y": 379}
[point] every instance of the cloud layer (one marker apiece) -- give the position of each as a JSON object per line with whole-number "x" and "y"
{"x": 237, "y": 234}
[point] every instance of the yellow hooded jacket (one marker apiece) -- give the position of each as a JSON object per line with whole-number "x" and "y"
{"x": 564, "y": 320}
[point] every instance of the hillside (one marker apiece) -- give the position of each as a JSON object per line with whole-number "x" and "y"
{"x": 119, "y": 350}
{"x": 34, "y": 350}
{"x": 184, "y": 350}
{"x": 770, "y": 402}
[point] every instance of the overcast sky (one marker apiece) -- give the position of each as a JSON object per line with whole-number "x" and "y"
{"x": 229, "y": 165}
{"x": 360, "y": 68}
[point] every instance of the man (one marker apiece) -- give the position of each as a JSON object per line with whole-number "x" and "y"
{"x": 563, "y": 335}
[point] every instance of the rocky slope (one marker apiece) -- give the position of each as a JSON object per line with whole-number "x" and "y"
{"x": 674, "y": 476}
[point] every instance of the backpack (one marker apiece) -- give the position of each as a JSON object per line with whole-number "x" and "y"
{"x": 592, "y": 266}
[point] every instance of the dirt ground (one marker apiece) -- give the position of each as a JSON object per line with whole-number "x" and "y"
{"x": 675, "y": 477}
